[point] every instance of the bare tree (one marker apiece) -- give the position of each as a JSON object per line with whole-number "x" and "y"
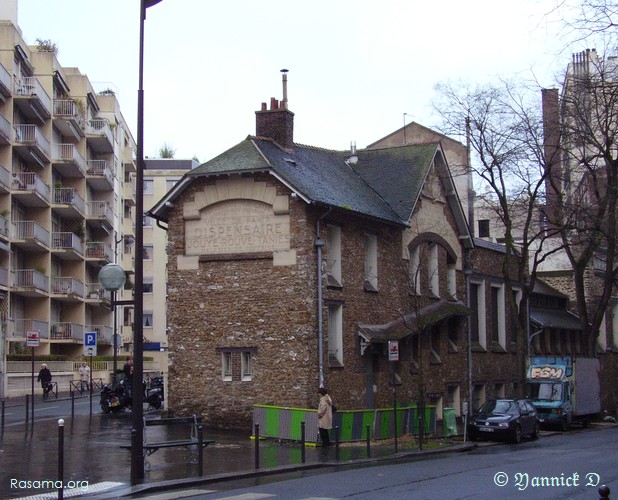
{"x": 166, "y": 151}
{"x": 504, "y": 128}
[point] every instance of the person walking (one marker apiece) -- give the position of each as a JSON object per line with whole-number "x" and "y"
{"x": 45, "y": 377}
{"x": 325, "y": 416}
{"x": 84, "y": 375}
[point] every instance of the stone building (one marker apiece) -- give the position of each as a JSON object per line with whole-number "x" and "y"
{"x": 292, "y": 267}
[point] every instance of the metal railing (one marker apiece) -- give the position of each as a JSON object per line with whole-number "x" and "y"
{"x": 69, "y": 196}
{"x": 5, "y": 177}
{"x": 67, "y": 241}
{"x": 5, "y": 128}
{"x": 30, "y": 134}
{"x": 67, "y": 286}
{"x": 23, "y": 325}
{"x": 100, "y": 126}
{"x": 69, "y": 153}
{"x": 101, "y": 209}
{"x": 67, "y": 331}
{"x": 95, "y": 291}
{"x": 68, "y": 108}
{"x": 5, "y": 226}
{"x": 30, "y": 86}
{"x": 4, "y": 276}
{"x": 99, "y": 250}
{"x": 32, "y": 279}
{"x": 30, "y": 230}
{"x": 100, "y": 168}
{"x": 29, "y": 181}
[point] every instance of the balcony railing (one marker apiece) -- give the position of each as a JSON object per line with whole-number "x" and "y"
{"x": 68, "y": 108}
{"x": 69, "y": 153}
{"x": 67, "y": 286}
{"x": 100, "y": 126}
{"x": 105, "y": 334}
{"x": 5, "y": 177}
{"x": 29, "y": 181}
{"x": 31, "y": 279}
{"x": 69, "y": 196}
{"x": 102, "y": 210}
{"x": 4, "y": 276}
{"x": 28, "y": 134}
{"x": 30, "y": 86}
{"x": 30, "y": 230}
{"x": 5, "y": 227}
{"x": 6, "y": 88}
{"x": 5, "y": 129}
{"x": 67, "y": 331}
{"x": 95, "y": 291}
{"x": 24, "y": 325}
{"x": 99, "y": 250}
{"x": 100, "y": 168}
{"x": 67, "y": 241}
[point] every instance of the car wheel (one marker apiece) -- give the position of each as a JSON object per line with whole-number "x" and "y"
{"x": 537, "y": 431}
{"x": 517, "y": 434}
{"x": 564, "y": 425}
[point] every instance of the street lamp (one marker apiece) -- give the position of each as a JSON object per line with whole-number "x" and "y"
{"x": 137, "y": 433}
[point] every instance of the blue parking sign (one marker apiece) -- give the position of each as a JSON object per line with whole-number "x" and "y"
{"x": 90, "y": 343}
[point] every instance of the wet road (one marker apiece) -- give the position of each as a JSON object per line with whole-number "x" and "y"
{"x": 93, "y": 453}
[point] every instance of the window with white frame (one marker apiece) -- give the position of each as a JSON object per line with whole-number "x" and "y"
{"x": 333, "y": 255}
{"x": 602, "y": 338}
{"x": 432, "y": 269}
{"x": 148, "y": 186}
{"x": 415, "y": 267}
{"x": 246, "y": 366}
{"x": 226, "y": 366}
{"x": 477, "y": 318}
{"x": 498, "y": 316}
{"x": 335, "y": 335}
{"x": 147, "y": 319}
{"x": 453, "y": 398}
{"x": 371, "y": 262}
{"x": 147, "y": 286}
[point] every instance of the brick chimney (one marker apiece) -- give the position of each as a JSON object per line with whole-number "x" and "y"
{"x": 276, "y": 123}
{"x": 551, "y": 145}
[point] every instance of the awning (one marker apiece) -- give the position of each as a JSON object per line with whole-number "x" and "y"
{"x": 553, "y": 318}
{"x": 410, "y": 323}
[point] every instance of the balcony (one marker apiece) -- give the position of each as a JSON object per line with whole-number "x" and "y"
{"x": 31, "y": 145}
{"x": 5, "y": 131}
{"x": 68, "y": 118}
{"x": 6, "y": 180}
{"x": 4, "y": 277}
{"x": 22, "y": 325}
{"x": 30, "y": 283}
{"x": 129, "y": 159}
{"x": 30, "y": 235}
{"x": 67, "y": 246}
{"x": 68, "y": 161}
{"x": 6, "y": 89}
{"x": 99, "y": 136}
{"x": 100, "y": 175}
{"x": 99, "y": 251}
{"x": 30, "y": 189}
{"x": 105, "y": 334}
{"x": 128, "y": 191}
{"x": 95, "y": 292}
{"x": 5, "y": 228}
{"x": 100, "y": 212}
{"x": 68, "y": 204}
{"x": 31, "y": 99}
{"x": 68, "y": 288}
{"x": 64, "y": 331}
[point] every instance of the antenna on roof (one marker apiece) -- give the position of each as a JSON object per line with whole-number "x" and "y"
{"x": 353, "y": 158}
{"x": 285, "y": 88}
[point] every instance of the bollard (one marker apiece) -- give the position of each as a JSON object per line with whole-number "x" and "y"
{"x": 337, "y": 443}
{"x": 604, "y": 492}
{"x": 133, "y": 447}
{"x": 302, "y": 442}
{"x": 27, "y": 411}
{"x": 61, "y": 458}
{"x": 257, "y": 446}
{"x": 368, "y": 441}
{"x": 200, "y": 457}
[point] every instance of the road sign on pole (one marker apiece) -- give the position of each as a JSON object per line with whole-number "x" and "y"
{"x": 33, "y": 338}
{"x": 90, "y": 343}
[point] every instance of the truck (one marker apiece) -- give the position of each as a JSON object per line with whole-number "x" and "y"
{"x": 564, "y": 389}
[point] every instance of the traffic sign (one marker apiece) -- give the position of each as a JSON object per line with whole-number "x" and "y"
{"x": 393, "y": 350}
{"x": 90, "y": 343}
{"x": 33, "y": 338}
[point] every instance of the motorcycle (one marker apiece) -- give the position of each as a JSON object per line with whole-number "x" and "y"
{"x": 115, "y": 399}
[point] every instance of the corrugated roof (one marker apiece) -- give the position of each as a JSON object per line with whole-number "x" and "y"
{"x": 554, "y": 318}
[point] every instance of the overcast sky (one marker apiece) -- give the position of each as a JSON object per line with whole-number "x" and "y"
{"x": 355, "y": 66}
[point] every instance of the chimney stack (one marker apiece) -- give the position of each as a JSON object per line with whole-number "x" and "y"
{"x": 277, "y": 123}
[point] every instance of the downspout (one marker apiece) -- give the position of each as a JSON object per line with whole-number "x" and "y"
{"x": 319, "y": 243}
{"x": 468, "y": 274}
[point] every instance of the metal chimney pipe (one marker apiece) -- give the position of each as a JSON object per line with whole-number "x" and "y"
{"x": 284, "y": 102}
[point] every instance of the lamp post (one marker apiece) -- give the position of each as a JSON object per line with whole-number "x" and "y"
{"x": 137, "y": 454}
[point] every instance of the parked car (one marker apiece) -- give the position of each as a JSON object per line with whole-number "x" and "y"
{"x": 509, "y": 419}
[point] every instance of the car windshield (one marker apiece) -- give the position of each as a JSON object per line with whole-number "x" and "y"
{"x": 547, "y": 392}
{"x": 499, "y": 406}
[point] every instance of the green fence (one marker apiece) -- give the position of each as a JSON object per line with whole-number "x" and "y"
{"x": 285, "y": 423}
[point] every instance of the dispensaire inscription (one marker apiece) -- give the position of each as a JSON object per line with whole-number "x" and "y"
{"x": 237, "y": 227}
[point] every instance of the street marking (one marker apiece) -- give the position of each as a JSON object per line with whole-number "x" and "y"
{"x": 180, "y": 494}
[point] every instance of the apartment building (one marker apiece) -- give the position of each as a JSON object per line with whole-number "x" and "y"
{"x": 160, "y": 175}
{"x": 67, "y": 166}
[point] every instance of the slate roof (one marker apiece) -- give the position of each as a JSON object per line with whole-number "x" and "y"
{"x": 383, "y": 184}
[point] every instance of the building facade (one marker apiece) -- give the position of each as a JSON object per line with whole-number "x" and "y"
{"x": 67, "y": 165}
{"x": 292, "y": 267}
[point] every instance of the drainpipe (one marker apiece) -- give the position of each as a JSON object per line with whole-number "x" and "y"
{"x": 468, "y": 274}
{"x": 319, "y": 243}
